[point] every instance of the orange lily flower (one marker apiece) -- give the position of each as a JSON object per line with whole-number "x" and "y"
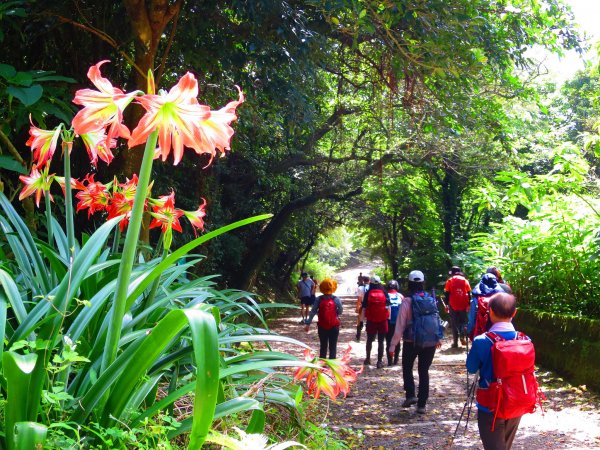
{"x": 43, "y": 143}
{"x": 102, "y": 108}
{"x": 183, "y": 122}
{"x": 37, "y": 183}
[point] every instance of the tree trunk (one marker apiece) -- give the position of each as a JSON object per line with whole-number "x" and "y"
{"x": 450, "y": 202}
{"x": 262, "y": 248}
{"x": 149, "y": 18}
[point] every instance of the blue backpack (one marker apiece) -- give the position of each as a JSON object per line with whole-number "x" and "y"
{"x": 427, "y": 327}
{"x": 395, "y": 301}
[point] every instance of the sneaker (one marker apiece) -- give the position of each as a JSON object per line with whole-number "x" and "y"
{"x": 463, "y": 341}
{"x": 409, "y": 402}
{"x": 380, "y": 364}
{"x": 421, "y": 409}
{"x": 367, "y": 362}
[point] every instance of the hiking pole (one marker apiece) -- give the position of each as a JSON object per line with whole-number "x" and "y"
{"x": 473, "y": 388}
{"x": 468, "y": 403}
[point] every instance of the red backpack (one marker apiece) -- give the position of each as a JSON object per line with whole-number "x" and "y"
{"x": 482, "y": 318}
{"x": 515, "y": 391}
{"x": 328, "y": 313}
{"x": 376, "y": 306}
{"x": 459, "y": 296}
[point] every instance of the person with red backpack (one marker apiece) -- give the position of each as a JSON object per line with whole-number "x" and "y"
{"x": 507, "y": 386}
{"x": 329, "y": 309}
{"x": 458, "y": 291}
{"x": 376, "y": 308}
{"x": 479, "y": 321}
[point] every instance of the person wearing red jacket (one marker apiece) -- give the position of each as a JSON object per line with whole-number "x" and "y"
{"x": 457, "y": 291}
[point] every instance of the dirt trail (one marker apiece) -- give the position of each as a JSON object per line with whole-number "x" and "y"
{"x": 571, "y": 420}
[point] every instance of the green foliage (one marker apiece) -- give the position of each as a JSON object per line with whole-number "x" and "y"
{"x": 55, "y": 322}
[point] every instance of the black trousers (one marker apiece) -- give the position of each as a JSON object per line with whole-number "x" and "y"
{"x": 328, "y": 338}
{"x": 504, "y": 431}
{"x": 458, "y": 321}
{"x": 380, "y": 340}
{"x": 425, "y": 355}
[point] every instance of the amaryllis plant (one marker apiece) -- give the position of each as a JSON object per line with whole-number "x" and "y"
{"x": 177, "y": 117}
{"x": 90, "y": 333}
{"x": 329, "y": 376}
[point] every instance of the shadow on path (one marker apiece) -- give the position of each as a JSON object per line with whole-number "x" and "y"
{"x": 571, "y": 419}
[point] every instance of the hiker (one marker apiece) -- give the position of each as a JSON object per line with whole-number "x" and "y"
{"x": 478, "y": 313}
{"x": 360, "y": 293}
{"x": 457, "y": 290}
{"x": 360, "y": 281}
{"x": 329, "y": 309}
{"x": 497, "y": 433}
{"x": 419, "y": 326}
{"x": 376, "y": 307}
{"x": 395, "y": 302}
{"x": 305, "y": 290}
{"x": 504, "y": 285}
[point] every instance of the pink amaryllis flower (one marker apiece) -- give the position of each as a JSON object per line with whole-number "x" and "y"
{"x": 103, "y": 109}
{"x": 93, "y": 195}
{"x": 43, "y": 143}
{"x": 37, "y": 183}
{"x": 196, "y": 218}
{"x": 332, "y": 377}
{"x": 216, "y": 127}
{"x": 98, "y": 146}
{"x": 165, "y": 215}
{"x": 183, "y": 122}
{"x": 122, "y": 200}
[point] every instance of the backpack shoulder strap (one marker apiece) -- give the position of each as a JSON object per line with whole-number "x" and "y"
{"x": 521, "y": 336}
{"x": 494, "y": 337}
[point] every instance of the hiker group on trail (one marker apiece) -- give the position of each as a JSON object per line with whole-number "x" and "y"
{"x": 505, "y": 387}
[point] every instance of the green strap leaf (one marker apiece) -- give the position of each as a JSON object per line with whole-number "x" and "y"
{"x": 30, "y": 435}
{"x": 17, "y": 371}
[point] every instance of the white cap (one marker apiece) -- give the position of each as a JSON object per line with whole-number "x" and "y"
{"x": 416, "y": 275}
{"x": 375, "y": 279}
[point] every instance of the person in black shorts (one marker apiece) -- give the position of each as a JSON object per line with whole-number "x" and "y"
{"x": 305, "y": 294}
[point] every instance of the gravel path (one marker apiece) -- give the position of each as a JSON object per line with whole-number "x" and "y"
{"x": 571, "y": 419}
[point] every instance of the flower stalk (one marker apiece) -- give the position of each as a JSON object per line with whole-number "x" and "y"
{"x": 67, "y": 145}
{"x": 128, "y": 256}
{"x": 48, "y": 203}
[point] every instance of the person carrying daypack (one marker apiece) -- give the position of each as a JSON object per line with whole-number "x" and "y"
{"x": 479, "y": 321}
{"x": 503, "y": 284}
{"x": 375, "y": 305}
{"x": 457, "y": 290}
{"x": 360, "y": 293}
{"x": 507, "y": 386}
{"x": 395, "y": 302}
{"x": 420, "y": 327}
{"x": 329, "y": 309}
